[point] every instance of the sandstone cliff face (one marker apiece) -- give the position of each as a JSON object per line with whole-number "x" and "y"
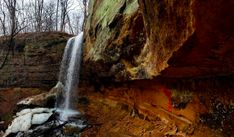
{"x": 35, "y": 62}
{"x": 130, "y": 39}
{"x": 182, "y": 50}
{"x": 115, "y": 35}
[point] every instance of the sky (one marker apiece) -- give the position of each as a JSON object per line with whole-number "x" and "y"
{"x": 75, "y": 4}
{"x": 75, "y": 9}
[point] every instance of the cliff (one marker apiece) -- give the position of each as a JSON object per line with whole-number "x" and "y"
{"x": 171, "y": 59}
{"x": 35, "y": 62}
{"x": 130, "y": 39}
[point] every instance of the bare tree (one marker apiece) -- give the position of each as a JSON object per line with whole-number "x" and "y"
{"x": 70, "y": 25}
{"x": 49, "y": 17}
{"x": 57, "y": 13}
{"x": 29, "y": 10}
{"x": 39, "y": 5}
{"x": 2, "y": 18}
{"x": 11, "y": 7}
{"x": 14, "y": 25}
{"x": 77, "y": 27}
{"x": 41, "y": 15}
{"x": 65, "y": 5}
{"x": 83, "y": 4}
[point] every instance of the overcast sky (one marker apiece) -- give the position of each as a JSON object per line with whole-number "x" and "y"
{"x": 76, "y": 5}
{"x": 75, "y": 11}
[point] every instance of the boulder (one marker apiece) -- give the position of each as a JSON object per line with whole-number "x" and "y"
{"x": 42, "y": 100}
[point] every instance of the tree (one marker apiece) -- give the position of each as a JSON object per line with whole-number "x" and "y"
{"x": 49, "y": 17}
{"x": 65, "y": 7}
{"x": 57, "y": 13}
{"x": 11, "y": 8}
{"x": 14, "y": 25}
{"x": 2, "y": 18}
{"x": 39, "y": 5}
{"x": 76, "y": 23}
{"x": 40, "y": 15}
{"x": 83, "y": 4}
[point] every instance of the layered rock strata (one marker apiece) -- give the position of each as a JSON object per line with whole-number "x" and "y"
{"x": 130, "y": 39}
{"x": 34, "y": 61}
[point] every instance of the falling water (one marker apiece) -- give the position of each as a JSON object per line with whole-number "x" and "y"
{"x": 69, "y": 75}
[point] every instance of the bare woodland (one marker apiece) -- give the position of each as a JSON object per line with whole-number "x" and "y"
{"x": 22, "y": 16}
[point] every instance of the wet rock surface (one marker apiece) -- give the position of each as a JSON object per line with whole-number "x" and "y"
{"x": 9, "y": 98}
{"x": 47, "y": 99}
{"x": 112, "y": 115}
{"x": 220, "y": 117}
{"x": 54, "y": 128}
{"x": 31, "y": 121}
{"x": 203, "y": 109}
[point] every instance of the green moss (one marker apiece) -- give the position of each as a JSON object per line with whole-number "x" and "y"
{"x": 108, "y": 9}
{"x": 132, "y": 6}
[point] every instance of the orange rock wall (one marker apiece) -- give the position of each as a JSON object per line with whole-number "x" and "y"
{"x": 166, "y": 58}
{"x": 172, "y": 38}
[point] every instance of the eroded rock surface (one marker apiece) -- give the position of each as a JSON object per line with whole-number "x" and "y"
{"x": 35, "y": 61}
{"x": 142, "y": 110}
{"x": 130, "y": 39}
{"x": 42, "y": 100}
{"x": 185, "y": 48}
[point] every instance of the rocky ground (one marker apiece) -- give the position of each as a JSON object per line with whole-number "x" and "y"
{"x": 110, "y": 118}
{"x": 8, "y": 100}
{"x": 107, "y": 117}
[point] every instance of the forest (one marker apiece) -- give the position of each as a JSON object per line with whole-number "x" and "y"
{"x": 21, "y": 16}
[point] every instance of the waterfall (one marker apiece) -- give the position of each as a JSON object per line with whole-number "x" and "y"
{"x": 69, "y": 76}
